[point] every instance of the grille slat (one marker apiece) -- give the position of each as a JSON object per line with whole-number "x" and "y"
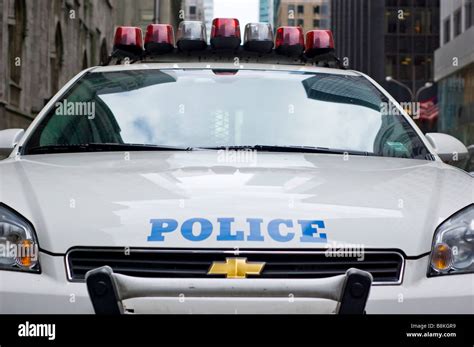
{"x": 138, "y": 261}
{"x": 329, "y": 263}
{"x": 150, "y": 271}
{"x": 385, "y": 267}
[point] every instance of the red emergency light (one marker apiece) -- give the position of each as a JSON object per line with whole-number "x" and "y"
{"x": 159, "y": 38}
{"x": 128, "y": 39}
{"x": 319, "y": 42}
{"x": 225, "y": 33}
{"x": 289, "y": 40}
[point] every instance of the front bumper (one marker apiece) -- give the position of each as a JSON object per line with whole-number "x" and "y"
{"x": 50, "y": 292}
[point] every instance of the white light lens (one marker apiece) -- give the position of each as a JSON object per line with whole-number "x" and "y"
{"x": 192, "y": 30}
{"x": 258, "y": 37}
{"x": 457, "y": 233}
{"x": 258, "y": 32}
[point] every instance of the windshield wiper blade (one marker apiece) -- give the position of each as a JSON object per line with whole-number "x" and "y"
{"x": 289, "y": 149}
{"x": 102, "y": 147}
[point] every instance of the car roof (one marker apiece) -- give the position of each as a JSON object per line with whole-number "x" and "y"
{"x": 214, "y": 65}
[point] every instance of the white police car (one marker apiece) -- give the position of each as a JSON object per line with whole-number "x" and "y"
{"x": 229, "y": 179}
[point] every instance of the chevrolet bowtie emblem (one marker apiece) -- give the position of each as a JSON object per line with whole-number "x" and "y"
{"x": 235, "y": 268}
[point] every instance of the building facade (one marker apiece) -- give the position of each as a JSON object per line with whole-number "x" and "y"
{"x": 143, "y": 12}
{"x": 193, "y": 9}
{"x": 266, "y": 12}
{"x": 43, "y": 44}
{"x": 276, "y": 9}
{"x": 454, "y": 69}
{"x": 308, "y": 14}
{"x": 395, "y": 38}
{"x": 208, "y": 15}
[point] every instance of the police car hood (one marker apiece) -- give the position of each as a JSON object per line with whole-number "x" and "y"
{"x": 111, "y": 199}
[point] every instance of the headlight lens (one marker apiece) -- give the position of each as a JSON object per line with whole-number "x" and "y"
{"x": 18, "y": 243}
{"x": 453, "y": 245}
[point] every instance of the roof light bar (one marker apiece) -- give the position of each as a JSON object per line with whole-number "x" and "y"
{"x": 128, "y": 39}
{"x": 258, "y": 37}
{"x": 191, "y": 36}
{"x": 289, "y": 40}
{"x": 225, "y": 33}
{"x": 319, "y": 42}
{"x": 159, "y": 38}
{"x": 225, "y": 40}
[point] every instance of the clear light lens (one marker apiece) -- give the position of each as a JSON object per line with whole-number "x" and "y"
{"x": 453, "y": 248}
{"x": 192, "y": 30}
{"x": 258, "y": 32}
{"x": 18, "y": 244}
{"x": 258, "y": 37}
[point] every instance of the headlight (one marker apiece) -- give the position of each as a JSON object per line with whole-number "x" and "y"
{"x": 453, "y": 245}
{"x": 18, "y": 243}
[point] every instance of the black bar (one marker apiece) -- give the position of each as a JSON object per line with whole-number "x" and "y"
{"x": 103, "y": 291}
{"x": 355, "y": 292}
{"x": 315, "y": 330}
{"x": 211, "y": 55}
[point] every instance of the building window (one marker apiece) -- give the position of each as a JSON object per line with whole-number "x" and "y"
{"x": 457, "y": 23}
{"x": 405, "y": 25}
{"x": 316, "y": 10}
{"x": 404, "y": 44}
{"x": 391, "y": 44}
{"x": 192, "y": 10}
{"x": 16, "y": 35}
{"x": 56, "y": 59}
{"x": 85, "y": 61}
{"x": 391, "y": 22}
{"x": 432, "y": 44}
{"x": 104, "y": 55}
{"x": 291, "y": 10}
{"x": 301, "y": 22}
{"x": 420, "y": 3}
{"x": 291, "y": 22}
{"x": 316, "y": 23}
{"x": 147, "y": 16}
{"x": 422, "y": 21}
{"x": 469, "y": 13}
{"x": 324, "y": 10}
{"x": 420, "y": 43}
{"x": 446, "y": 30}
{"x": 391, "y": 66}
{"x": 324, "y": 23}
{"x": 300, "y": 9}
{"x": 421, "y": 68}
{"x": 406, "y": 68}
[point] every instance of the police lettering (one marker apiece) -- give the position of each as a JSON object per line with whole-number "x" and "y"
{"x": 201, "y": 229}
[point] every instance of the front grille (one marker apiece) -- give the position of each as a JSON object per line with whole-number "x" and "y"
{"x": 385, "y": 267}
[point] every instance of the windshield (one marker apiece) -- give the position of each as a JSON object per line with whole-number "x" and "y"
{"x": 204, "y": 108}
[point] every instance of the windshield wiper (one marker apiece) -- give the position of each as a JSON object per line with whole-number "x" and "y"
{"x": 289, "y": 149}
{"x": 102, "y": 147}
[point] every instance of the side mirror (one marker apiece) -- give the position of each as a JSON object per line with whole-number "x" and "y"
{"x": 8, "y": 140}
{"x": 448, "y": 147}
